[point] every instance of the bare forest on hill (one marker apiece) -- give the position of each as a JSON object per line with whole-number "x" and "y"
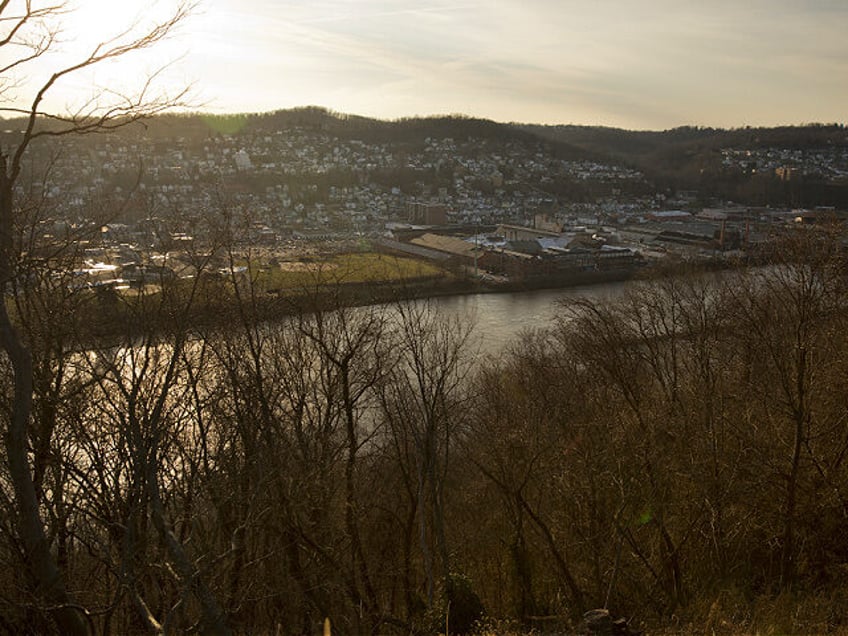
{"x": 679, "y": 454}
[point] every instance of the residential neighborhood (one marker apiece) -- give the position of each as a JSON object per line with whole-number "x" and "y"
{"x": 532, "y": 209}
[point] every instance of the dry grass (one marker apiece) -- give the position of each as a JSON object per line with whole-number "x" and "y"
{"x": 359, "y": 268}
{"x": 731, "y": 614}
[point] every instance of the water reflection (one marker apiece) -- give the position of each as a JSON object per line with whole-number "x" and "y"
{"x": 500, "y": 318}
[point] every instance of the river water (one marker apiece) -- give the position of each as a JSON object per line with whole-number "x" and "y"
{"x": 500, "y": 318}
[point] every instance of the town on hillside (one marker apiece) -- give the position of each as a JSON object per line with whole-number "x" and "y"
{"x": 498, "y": 203}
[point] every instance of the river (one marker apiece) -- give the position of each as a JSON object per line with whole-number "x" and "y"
{"x": 500, "y": 317}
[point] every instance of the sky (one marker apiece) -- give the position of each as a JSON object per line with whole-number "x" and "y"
{"x": 638, "y": 64}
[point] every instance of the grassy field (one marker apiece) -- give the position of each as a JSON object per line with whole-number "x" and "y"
{"x": 342, "y": 269}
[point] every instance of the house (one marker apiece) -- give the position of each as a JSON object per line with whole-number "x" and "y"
{"x": 669, "y": 215}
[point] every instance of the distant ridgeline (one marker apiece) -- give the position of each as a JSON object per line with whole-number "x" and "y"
{"x": 798, "y": 166}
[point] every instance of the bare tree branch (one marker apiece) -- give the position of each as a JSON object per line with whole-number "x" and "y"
{"x": 103, "y": 51}
{"x": 104, "y": 111}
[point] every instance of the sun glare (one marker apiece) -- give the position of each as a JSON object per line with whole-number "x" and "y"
{"x": 90, "y": 27}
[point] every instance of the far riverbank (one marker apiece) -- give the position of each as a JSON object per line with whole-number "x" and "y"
{"x": 214, "y": 306}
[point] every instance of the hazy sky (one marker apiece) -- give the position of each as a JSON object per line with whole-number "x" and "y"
{"x": 630, "y": 63}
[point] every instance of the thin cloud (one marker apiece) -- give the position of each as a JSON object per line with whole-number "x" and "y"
{"x": 649, "y": 64}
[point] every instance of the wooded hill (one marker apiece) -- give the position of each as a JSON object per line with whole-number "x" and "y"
{"x": 642, "y": 148}
{"x": 686, "y": 158}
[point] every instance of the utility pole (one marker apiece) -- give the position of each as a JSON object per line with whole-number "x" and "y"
{"x": 476, "y": 252}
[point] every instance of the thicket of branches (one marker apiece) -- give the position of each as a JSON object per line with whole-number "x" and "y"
{"x": 681, "y": 451}
{"x": 678, "y": 452}
{"x": 35, "y": 61}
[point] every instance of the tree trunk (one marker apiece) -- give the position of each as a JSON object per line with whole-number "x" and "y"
{"x": 42, "y": 565}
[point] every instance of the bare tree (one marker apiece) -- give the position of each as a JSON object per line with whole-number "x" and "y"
{"x": 422, "y": 403}
{"x": 351, "y": 344}
{"x": 28, "y": 32}
{"x": 788, "y": 317}
{"x": 518, "y": 423}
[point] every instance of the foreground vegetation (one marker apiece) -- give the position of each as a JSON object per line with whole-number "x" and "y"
{"x": 678, "y": 456}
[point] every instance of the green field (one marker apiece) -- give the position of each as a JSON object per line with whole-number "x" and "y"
{"x": 342, "y": 269}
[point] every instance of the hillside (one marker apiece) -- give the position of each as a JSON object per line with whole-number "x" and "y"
{"x": 788, "y": 166}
